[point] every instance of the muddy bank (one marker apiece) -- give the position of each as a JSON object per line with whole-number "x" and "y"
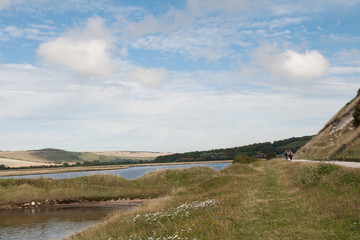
{"x": 70, "y": 203}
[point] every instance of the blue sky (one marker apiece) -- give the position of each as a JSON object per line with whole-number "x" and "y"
{"x": 172, "y": 76}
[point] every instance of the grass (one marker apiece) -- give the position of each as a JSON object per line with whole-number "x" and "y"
{"x": 59, "y": 156}
{"x": 261, "y": 200}
{"x": 337, "y": 140}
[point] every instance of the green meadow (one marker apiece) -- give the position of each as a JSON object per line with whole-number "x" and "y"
{"x": 254, "y": 200}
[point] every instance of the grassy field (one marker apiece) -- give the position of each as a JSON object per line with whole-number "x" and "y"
{"x": 31, "y": 171}
{"x": 57, "y": 156}
{"x": 260, "y": 200}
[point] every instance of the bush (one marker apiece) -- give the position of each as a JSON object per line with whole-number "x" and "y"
{"x": 356, "y": 115}
{"x": 311, "y": 175}
{"x": 270, "y": 156}
{"x": 326, "y": 169}
{"x": 244, "y": 159}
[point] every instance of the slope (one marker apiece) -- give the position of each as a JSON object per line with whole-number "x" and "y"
{"x": 339, "y": 139}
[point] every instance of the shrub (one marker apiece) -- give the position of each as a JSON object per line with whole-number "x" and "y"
{"x": 311, "y": 175}
{"x": 244, "y": 159}
{"x": 270, "y": 156}
{"x": 356, "y": 115}
{"x": 326, "y": 169}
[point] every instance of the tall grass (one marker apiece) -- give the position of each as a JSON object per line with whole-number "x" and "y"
{"x": 98, "y": 187}
{"x": 261, "y": 200}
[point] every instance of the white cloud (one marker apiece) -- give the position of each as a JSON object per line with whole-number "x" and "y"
{"x": 175, "y": 19}
{"x": 4, "y": 4}
{"x": 231, "y": 6}
{"x": 345, "y": 70}
{"x": 151, "y": 77}
{"x": 349, "y": 56}
{"x": 84, "y": 51}
{"x": 292, "y": 65}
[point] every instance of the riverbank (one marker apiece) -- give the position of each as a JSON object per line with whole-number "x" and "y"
{"x": 69, "y": 203}
{"x": 39, "y": 192}
{"x": 262, "y": 200}
{"x": 33, "y": 171}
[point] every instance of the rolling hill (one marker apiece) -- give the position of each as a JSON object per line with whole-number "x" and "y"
{"x": 339, "y": 139}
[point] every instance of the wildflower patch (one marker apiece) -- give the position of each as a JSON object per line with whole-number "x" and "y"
{"x": 183, "y": 211}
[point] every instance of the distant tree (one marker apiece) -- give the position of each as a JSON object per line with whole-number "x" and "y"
{"x": 2, "y": 166}
{"x": 356, "y": 115}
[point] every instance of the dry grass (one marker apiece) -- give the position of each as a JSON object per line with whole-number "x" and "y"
{"x": 21, "y": 163}
{"x": 23, "y": 155}
{"x": 263, "y": 200}
{"x": 343, "y": 144}
{"x": 131, "y": 154}
{"x": 32, "y": 171}
{"x": 337, "y": 140}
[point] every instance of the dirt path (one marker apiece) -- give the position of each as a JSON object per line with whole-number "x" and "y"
{"x": 340, "y": 163}
{"x": 270, "y": 210}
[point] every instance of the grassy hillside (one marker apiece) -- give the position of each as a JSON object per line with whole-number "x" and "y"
{"x": 23, "y": 155}
{"x": 50, "y": 155}
{"x": 339, "y": 139}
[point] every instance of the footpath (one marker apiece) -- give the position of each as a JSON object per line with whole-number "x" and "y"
{"x": 340, "y": 163}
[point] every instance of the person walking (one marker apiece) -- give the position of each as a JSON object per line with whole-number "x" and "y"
{"x": 291, "y": 155}
{"x": 286, "y": 155}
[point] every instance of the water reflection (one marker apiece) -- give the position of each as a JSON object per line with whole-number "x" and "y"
{"x": 128, "y": 173}
{"x": 50, "y": 223}
{"x": 58, "y": 223}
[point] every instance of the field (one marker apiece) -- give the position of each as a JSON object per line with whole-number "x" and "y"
{"x": 258, "y": 200}
{"x": 21, "y": 163}
{"x": 131, "y": 154}
{"x": 23, "y": 155}
{"x": 57, "y": 156}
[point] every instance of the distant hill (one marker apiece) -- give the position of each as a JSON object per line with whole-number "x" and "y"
{"x": 58, "y": 156}
{"x": 339, "y": 139}
{"x": 257, "y": 149}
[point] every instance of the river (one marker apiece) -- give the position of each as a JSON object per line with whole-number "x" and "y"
{"x": 59, "y": 223}
{"x": 51, "y": 223}
{"x": 130, "y": 173}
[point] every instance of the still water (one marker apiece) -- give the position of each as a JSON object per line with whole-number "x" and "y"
{"x": 59, "y": 223}
{"x": 51, "y": 223}
{"x": 128, "y": 173}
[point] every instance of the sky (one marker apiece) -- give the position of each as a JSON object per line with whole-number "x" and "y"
{"x": 173, "y": 76}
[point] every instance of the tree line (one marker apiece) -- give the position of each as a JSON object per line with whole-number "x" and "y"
{"x": 275, "y": 148}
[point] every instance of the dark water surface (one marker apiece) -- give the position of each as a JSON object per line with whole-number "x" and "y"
{"x": 59, "y": 223}
{"x": 128, "y": 173}
{"x": 51, "y": 223}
